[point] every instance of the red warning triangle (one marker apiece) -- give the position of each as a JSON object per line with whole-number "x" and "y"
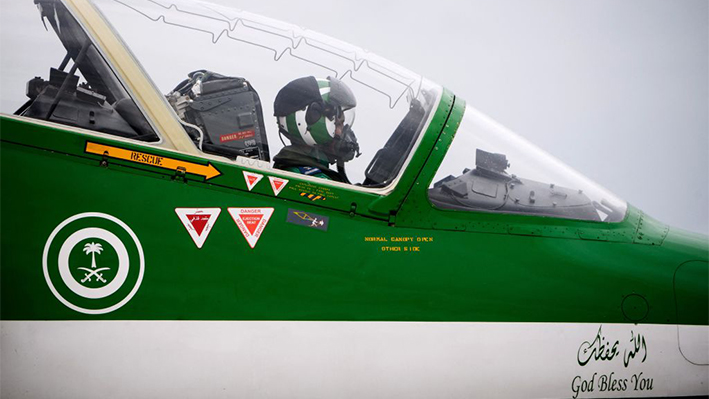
{"x": 277, "y": 184}
{"x": 251, "y": 222}
{"x": 252, "y": 179}
{"x": 198, "y": 222}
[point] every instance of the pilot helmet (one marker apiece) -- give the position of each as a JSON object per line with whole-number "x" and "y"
{"x": 309, "y": 112}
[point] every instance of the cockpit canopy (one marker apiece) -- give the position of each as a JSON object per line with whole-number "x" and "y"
{"x": 246, "y": 86}
{"x": 256, "y": 58}
{"x": 488, "y": 168}
{"x": 84, "y": 94}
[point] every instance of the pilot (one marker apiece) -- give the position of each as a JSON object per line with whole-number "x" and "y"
{"x": 316, "y": 116}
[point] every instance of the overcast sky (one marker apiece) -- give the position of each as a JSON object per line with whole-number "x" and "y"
{"x": 619, "y": 90}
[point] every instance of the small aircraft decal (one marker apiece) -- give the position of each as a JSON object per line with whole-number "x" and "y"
{"x": 252, "y": 179}
{"x": 246, "y": 134}
{"x": 198, "y": 222}
{"x": 277, "y": 184}
{"x": 208, "y": 170}
{"x": 251, "y": 222}
{"x": 312, "y": 220}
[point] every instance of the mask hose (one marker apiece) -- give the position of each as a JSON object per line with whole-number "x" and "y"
{"x": 341, "y": 171}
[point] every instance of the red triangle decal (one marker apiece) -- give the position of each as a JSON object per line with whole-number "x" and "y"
{"x": 277, "y": 184}
{"x": 198, "y": 222}
{"x": 252, "y": 179}
{"x": 251, "y": 222}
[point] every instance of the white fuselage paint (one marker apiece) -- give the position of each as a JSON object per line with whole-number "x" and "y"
{"x": 278, "y": 359}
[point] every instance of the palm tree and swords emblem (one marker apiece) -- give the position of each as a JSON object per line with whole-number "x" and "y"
{"x": 99, "y": 263}
{"x": 93, "y": 249}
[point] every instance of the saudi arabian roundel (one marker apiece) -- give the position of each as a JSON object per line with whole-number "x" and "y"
{"x": 198, "y": 222}
{"x": 93, "y": 263}
{"x": 251, "y": 222}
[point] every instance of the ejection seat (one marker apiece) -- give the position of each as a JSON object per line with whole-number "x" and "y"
{"x": 222, "y": 115}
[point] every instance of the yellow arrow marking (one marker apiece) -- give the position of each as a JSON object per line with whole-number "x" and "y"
{"x": 303, "y": 216}
{"x": 208, "y": 171}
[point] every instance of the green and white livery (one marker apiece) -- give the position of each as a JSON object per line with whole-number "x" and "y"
{"x": 150, "y": 248}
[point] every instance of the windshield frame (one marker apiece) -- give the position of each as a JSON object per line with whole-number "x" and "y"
{"x": 494, "y": 157}
{"x": 130, "y": 74}
{"x": 97, "y": 61}
{"x": 418, "y": 212}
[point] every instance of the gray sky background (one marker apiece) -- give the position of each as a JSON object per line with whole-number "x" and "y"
{"x": 619, "y": 90}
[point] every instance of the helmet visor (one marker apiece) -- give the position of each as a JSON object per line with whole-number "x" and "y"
{"x": 349, "y": 117}
{"x": 341, "y": 95}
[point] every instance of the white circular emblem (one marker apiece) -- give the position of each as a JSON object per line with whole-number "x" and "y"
{"x": 93, "y": 263}
{"x": 123, "y": 263}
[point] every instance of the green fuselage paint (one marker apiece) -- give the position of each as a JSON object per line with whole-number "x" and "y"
{"x": 429, "y": 265}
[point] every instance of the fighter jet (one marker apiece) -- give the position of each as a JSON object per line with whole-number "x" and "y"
{"x": 202, "y": 202}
